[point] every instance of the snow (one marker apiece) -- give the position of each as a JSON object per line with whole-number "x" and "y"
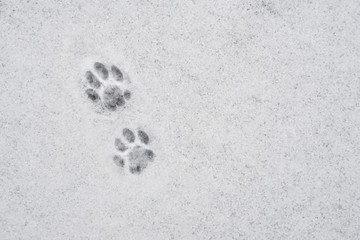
{"x": 252, "y": 108}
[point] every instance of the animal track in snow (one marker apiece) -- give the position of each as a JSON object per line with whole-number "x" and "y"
{"x": 133, "y": 151}
{"x": 107, "y": 86}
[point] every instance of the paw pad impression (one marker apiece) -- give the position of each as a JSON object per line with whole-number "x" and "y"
{"x": 133, "y": 151}
{"x": 107, "y": 87}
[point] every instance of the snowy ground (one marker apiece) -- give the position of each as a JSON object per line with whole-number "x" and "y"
{"x": 252, "y": 107}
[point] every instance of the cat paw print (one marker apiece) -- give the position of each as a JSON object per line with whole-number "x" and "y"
{"x": 133, "y": 152}
{"x": 107, "y": 88}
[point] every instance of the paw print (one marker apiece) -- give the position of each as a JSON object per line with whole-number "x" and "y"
{"x": 106, "y": 88}
{"x": 133, "y": 151}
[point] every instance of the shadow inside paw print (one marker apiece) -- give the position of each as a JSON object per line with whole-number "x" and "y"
{"x": 107, "y": 87}
{"x": 133, "y": 151}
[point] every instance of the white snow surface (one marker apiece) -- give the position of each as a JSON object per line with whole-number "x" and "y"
{"x": 252, "y": 107}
